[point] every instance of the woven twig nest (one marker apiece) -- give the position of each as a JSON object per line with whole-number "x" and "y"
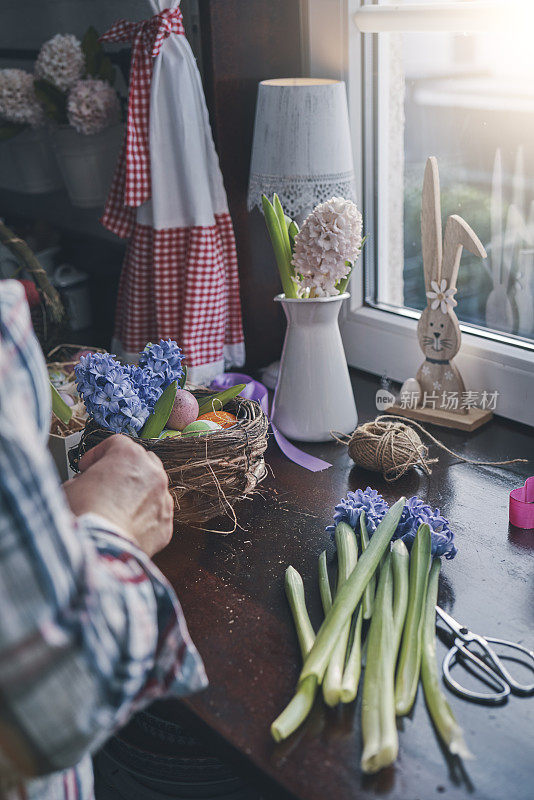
{"x": 208, "y": 474}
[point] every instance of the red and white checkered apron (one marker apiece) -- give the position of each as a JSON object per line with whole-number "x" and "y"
{"x": 180, "y": 283}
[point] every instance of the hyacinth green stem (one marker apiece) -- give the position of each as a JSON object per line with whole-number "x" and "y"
{"x": 324, "y": 584}
{"x": 296, "y": 711}
{"x": 297, "y": 603}
{"x": 440, "y": 711}
{"x": 350, "y": 595}
{"x": 379, "y": 729}
{"x": 347, "y": 556}
{"x": 412, "y": 635}
{"x": 400, "y": 564}
{"x": 369, "y": 594}
{"x": 353, "y": 667}
{"x": 300, "y": 706}
{"x": 278, "y": 243}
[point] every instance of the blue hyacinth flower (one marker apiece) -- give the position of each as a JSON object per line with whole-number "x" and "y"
{"x": 414, "y": 514}
{"x": 163, "y": 361}
{"x": 349, "y": 509}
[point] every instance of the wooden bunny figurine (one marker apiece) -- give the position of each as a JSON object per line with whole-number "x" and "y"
{"x": 438, "y": 330}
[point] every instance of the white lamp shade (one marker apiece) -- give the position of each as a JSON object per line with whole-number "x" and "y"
{"x": 302, "y": 146}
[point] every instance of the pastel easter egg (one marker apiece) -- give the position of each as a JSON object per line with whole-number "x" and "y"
{"x": 199, "y": 427}
{"x": 222, "y": 418}
{"x": 184, "y": 410}
{"x": 167, "y": 434}
{"x": 67, "y": 398}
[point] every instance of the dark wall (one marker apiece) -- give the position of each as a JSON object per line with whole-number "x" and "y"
{"x": 243, "y": 42}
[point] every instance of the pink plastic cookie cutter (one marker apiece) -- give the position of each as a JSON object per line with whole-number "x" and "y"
{"x": 522, "y": 505}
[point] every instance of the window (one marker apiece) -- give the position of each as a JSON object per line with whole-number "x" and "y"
{"x": 454, "y": 80}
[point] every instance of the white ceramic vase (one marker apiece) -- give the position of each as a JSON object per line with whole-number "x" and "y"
{"x": 87, "y": 163}
{"x": 314, "y": 394}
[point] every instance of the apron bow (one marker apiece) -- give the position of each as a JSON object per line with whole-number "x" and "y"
{"x": 132, "y": 183}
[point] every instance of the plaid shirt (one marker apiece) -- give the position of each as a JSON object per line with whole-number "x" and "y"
{"x": 90, "y": 631}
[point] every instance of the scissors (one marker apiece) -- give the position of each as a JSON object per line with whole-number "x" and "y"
{"x": 494, "y": 672}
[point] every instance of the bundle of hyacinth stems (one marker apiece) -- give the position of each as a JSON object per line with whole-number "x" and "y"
{"x": 395, "y": 588}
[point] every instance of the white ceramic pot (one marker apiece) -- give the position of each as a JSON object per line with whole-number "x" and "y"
{"x": 314, "y": 394}
{"x": 29, "y": 164}
{"x": 87, "y": 163}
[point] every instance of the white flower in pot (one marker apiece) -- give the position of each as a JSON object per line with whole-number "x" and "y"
{"x": 74, "y": 80}
{"x": 314, "y": 394}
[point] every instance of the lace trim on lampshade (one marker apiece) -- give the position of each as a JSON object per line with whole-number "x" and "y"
{"x": 300, "y": 194}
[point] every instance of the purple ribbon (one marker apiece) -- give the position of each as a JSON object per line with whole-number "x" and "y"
{"x": 254, "y": 390}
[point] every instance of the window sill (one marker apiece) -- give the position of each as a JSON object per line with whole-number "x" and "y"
{"x": 385, "y": 343}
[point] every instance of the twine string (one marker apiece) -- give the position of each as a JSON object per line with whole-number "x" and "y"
{"x": 457, "y": 455}
{"x": 391, "y": 445}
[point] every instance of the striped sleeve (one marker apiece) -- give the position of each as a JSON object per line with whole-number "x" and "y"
{"x": 90, "y": 630}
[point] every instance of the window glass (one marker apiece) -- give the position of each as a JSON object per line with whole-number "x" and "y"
{"x": 469, "y": 101}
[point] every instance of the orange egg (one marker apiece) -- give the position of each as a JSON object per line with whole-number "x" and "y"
{"x": 223, "y": 418}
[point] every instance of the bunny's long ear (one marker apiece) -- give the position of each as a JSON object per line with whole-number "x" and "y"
{"x": 458, "y": 234}
{"x": 431, "y": 239}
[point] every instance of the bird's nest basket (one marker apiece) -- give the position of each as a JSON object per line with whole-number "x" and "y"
{"x": 210, "y": 473}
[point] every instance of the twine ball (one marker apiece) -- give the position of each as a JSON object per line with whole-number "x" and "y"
{"x": 391, "y": 448}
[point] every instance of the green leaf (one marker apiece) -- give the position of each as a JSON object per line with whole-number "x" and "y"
{"x": 59, "y": 407}
{"x": 106, "y": 70}
{"x": 282, "y": 219}
{"x": 91, "y": 49}
{"x": 97, "y": 63}
{"x": 297, "y": 603}
{"x": 216, "y": 402}
{"x": 54, "y": 101}
{"x": 159, "y": 417}
{"x": 277, "y": 241}
{"x": 292, "y": 230}
{"x": 183, "y": 379}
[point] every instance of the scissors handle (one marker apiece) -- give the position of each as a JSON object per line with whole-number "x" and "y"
{"x": 494, "y": 670}
{"x": 516, "y": 687}
{"x": 492, "y": 677}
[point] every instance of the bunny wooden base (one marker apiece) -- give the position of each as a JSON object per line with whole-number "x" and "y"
{"x": 470, "y": 421}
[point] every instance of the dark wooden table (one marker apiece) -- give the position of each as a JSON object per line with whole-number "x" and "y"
{"x": 231, "y": 588}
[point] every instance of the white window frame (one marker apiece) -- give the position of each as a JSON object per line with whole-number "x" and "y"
{"x": 376, "y": 339}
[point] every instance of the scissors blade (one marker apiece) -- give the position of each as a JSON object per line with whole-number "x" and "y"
{"x": 454, "y": 625}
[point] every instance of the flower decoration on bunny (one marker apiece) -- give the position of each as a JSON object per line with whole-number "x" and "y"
{"x": 441, "y": 296}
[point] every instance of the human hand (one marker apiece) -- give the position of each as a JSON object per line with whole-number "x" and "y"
{"x": 126, "y": 484}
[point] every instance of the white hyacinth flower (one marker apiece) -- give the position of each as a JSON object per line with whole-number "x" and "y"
{"x": 441, "y": 296}
{"x": 18, "y": 101}
{"x": 326, "y": 247}
{"x": 92, "y": 106}
{"x": 61, "y": 61}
